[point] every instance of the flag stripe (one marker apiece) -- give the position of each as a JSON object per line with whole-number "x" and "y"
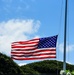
{"x": 33, "y": 58}
{"x": 41, "y": 54}
{"x": 22, "y": 49}
{"x": 36, "y": 56}
{"x": 26, "y": 42}
{"x": 33, "y": 53}
{"x": 28, "y": 52}
{"x": 23, "y": 46}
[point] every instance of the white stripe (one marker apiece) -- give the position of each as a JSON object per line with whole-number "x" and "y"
{"x": 15, "y": 50}
{"x": 33, "y": 41}
{"x": 24, "y": 48}
{"x": 34, "y": 56}
{"x": 25, "y": 44}
{"x": 35, "y": 53}
{"x": 45, "y": 48}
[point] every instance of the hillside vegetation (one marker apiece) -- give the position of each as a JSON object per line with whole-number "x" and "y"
{"x": 46, "y": 67}
{"x": 8, "y": 66}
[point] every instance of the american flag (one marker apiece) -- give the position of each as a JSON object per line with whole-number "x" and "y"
{"x": 38, "y": 48}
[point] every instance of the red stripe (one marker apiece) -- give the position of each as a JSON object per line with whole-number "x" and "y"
{"x": 46, "y": 50}
{"x": 29, "y": 49}
{"x": 33, "y": 58}
{"x": 22, "y": 46}
{"x": 26, "y": 42}
{"x": 34, "y": 54}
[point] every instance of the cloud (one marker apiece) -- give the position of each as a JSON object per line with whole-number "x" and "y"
{"x": 68, "y": 47}
{"x": 15, "y": 30}
{"x": 21, "y": 64}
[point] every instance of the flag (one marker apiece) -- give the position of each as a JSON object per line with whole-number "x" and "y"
{"x": 38, "y": 48}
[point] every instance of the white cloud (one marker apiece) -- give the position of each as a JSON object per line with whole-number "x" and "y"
{"x": 68, "y": 47}
{"x": 15, "y": 30}
{"x": 21, "y": 64}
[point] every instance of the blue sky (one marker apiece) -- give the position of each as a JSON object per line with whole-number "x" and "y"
{"x": 27, "y": 19}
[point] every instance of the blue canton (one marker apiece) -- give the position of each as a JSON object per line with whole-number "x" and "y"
{"x": 47, "y": 42}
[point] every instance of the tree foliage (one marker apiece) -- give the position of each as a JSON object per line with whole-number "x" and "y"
{"x": 8, "y": 66}
{"x": 46, "y": 67}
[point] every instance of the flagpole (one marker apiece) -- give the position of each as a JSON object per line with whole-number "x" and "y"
{"x": 65, "y": 34}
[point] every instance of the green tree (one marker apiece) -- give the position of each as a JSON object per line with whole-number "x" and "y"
{"x": 8, "y": 66}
